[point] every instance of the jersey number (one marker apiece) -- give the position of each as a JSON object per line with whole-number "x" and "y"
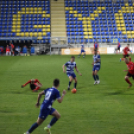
{"x": 48, "y": 94}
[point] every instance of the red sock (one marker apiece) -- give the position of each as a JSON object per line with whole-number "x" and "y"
{"x": 128, "y": 81}
{"x": 37, "y": 88}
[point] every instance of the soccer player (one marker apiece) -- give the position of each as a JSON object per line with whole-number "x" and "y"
{"x": 96, "y": 45}
{"x": 82, "y": 51}
{"x": 96, "y": 67}
{"x": 118, "y": 47}
{"x": 125, "y": 53}
{"x": 70, "y": 65}
{"x": 34, "y": 84}
{"x": 130, "y": 71}
{"x": 8, "y": 52}
{"x": 51, "y": 94}
{"x": 12, "y": 49}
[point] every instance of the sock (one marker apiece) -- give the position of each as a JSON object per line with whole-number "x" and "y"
{"x": 128, "y": 81}
{"x": 53, "y": 121}
{"x": 34, "y": 126}
{"x": 129, "y": 58}
{"x": 122, "y": 59}
{"x": 75, "y": 84}
{"x": 94, "y": 76}
{"x": 97, "y": 77}
{"x": 69, "y": 83}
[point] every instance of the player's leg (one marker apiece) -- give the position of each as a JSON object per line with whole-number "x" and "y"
{"x": 127, "y": 80}
{"x": 70, "y": 81}
{"x": 129, "y": 57}
{"x": 94, "y": 76}
{"x": 75, "y": 84}
{"x": 97, "y": 76}
{"x": 80, "y": 54}
{"x": 122, "y": 59}
{"x": 84, "y": 54}
{"x": 35, "y": 125}
{"x": 56, "y": 117}
{"x": 38, "y": 86}
{"x": 6, "y": 53}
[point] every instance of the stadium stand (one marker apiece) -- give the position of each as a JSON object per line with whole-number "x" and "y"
{"x": 25, "y": 19}
{"x": 87, "y": 21}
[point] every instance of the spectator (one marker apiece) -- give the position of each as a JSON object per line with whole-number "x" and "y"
{"x": 17, "y": 50}
{"x": 12, "y": 49}
{"x": 1, "y": 50}
{"x": 8, "y": 51}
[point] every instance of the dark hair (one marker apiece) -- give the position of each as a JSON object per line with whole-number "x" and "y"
{"x": 72, "y": 56}
{"x": 128, "y": 44}
{"x": 56, "y": 82}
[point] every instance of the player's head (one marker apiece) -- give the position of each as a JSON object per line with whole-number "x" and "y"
{"x": 126, "y": 61}
{"x": 72, "y": 58}
{"x": 128, "y": 45}
{"x": 32, "y": 81}
{"x": 56, "y": 83}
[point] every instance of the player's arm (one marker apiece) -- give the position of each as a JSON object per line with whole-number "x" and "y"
{"x": 78, "y": 71}
{"x": 26, "y": 83}
{"x": 60, "y": 99}
{"x": 39, "y": 97}
{"x": 39, "y": 83}
{"x": 64, "y": 67}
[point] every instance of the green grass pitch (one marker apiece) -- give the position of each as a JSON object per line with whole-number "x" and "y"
{"x": 107, "y": 108}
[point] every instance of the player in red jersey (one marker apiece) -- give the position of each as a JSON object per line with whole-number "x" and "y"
{"x": 34, "y": 84}
{"x": 12, "y": 48}
{"x": 130, "y": 71}
{"x": 125, "y": 53}
{"x": 118, "y": 48}
{"x": 96, "y": 45}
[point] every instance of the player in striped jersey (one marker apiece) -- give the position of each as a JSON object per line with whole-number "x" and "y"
{"x": 96, "y": 67}
{"x": 70, "y": 65}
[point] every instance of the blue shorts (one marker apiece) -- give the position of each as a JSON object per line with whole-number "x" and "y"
{"x": 82, "y": 51}
{"x": 96, "y": 67}
{"x": 45, "y": 112}
{"x": 71, "y": 74}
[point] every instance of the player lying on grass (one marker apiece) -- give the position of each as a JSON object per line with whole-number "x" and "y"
{"x": 96, "y": 67}
{"x": 51, "y": 94}
{"x": 82, "y": 51}
{"x": 70, "y": 65}
{"x": 130, "y": 71}
{"x": 34, "y": 84}
{"x": 126, "y": 51}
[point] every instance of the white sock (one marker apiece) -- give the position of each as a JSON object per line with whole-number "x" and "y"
{"x": 48, "y": 126}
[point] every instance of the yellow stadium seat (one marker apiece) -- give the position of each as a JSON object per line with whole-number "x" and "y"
{"x": 44, "y": 34}
{"x": 80, "y": 15}
{"x": 103, "y": 8}
{"x": 75, "y": 15}
{"x": 86, "y": 37}
{"x": 39, "y": 38}
{"x": 124, "y": 11}
{"x": 122, "y": 21}
{"x": 91, "y": 15}
{"x": 96, "y": 15}
{"x": 123, "y": 25}
{"x": 132, "y": 32}
{"x": 126, "y": 4}
{"x": 85, "y": 29}
{"x": 48, "y": 29}
{"x": 92, "y": 18}
{"x": 39, "y": 12}
{"x": 44, "y": 15}
{"x": 88, "y": 18}
{"x": 90, "y": 33}
{"x": 75, "y": 11}
{"x": 117, "y": 18}
{"x": 44, "y": 30}
{"x": 128, "y": 32}
{"x": 71, "y": 11}
{"x": 22, "y": 34}
{"x": 127, "y": 11}
{"x": 132, "y": 35}
{"x": 89, "y": 26}
{"x": 89, "y": 29}
{"x": 39, "y": 8}
{"x": 31, "y": 34}
{"x": 116, "y": 15}
{"x": 17, "y": 30}
{"x": 123, "y": 32}
{"x": 129, "y": 36}
{"x": 117, "y": 21}
{"x": 23, "y": 9}
{"x": 90, "y": 37}
{"x": 119, "y": 28}
{"x": 35, "y": 34}
{"x": 121, "y": 18}
{"x": 17, "y": 34}
{"x": 35, "y": 26}
{"x": 123, "y": 8}
{"x": 85, "y": 26}
{"x": 66, "y": 8}
{"x": 89, "y": 22}
{"x": 71, "y": 8}
{"x": 95, "y": 12}
{"x": 79, "y": 18}
{"x": 99, "y": 11}
{"x": 26, "y": 34}
{"x": 133, "y": 4}
{"x": 84, "y": 18}
{"x": 18, "y": 26}
{"x": 35, "y": 12}
{"x": 85, "y": 33}
{"x": 39, "y": 34}
{"x": 123, "y": 29}
{"x": 48, "y": 26}
{"x": 99, "y": 8}
{"x": 47, "y": 15}
{"x": 84, "y": 22}
{"x": 39, "y": 26}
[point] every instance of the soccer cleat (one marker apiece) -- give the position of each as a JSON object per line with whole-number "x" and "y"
{"x": 120, "y": 59}
{"x": 27, "y": 133}
{"x": 47, "y": 130}
{"x": 98, "y": 82}
{"x": 130, "y": 85}
{"x": 68, "y": 88}
{"x": 95, "y": 82}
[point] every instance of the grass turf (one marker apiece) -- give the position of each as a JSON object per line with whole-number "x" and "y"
{"x": 107, "y": 108}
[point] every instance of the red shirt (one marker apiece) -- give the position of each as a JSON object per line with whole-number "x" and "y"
{"x": 12, "y": 46}
{"x": 7, "y": 49}
{"x": 125, "y": 50}
{"x": 130, "y": 67}
{"x": 35, "y": 81}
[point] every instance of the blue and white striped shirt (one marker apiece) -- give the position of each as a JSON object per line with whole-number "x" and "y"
{"x": 70, "y": 66}
{"x": 96, "y": 57}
